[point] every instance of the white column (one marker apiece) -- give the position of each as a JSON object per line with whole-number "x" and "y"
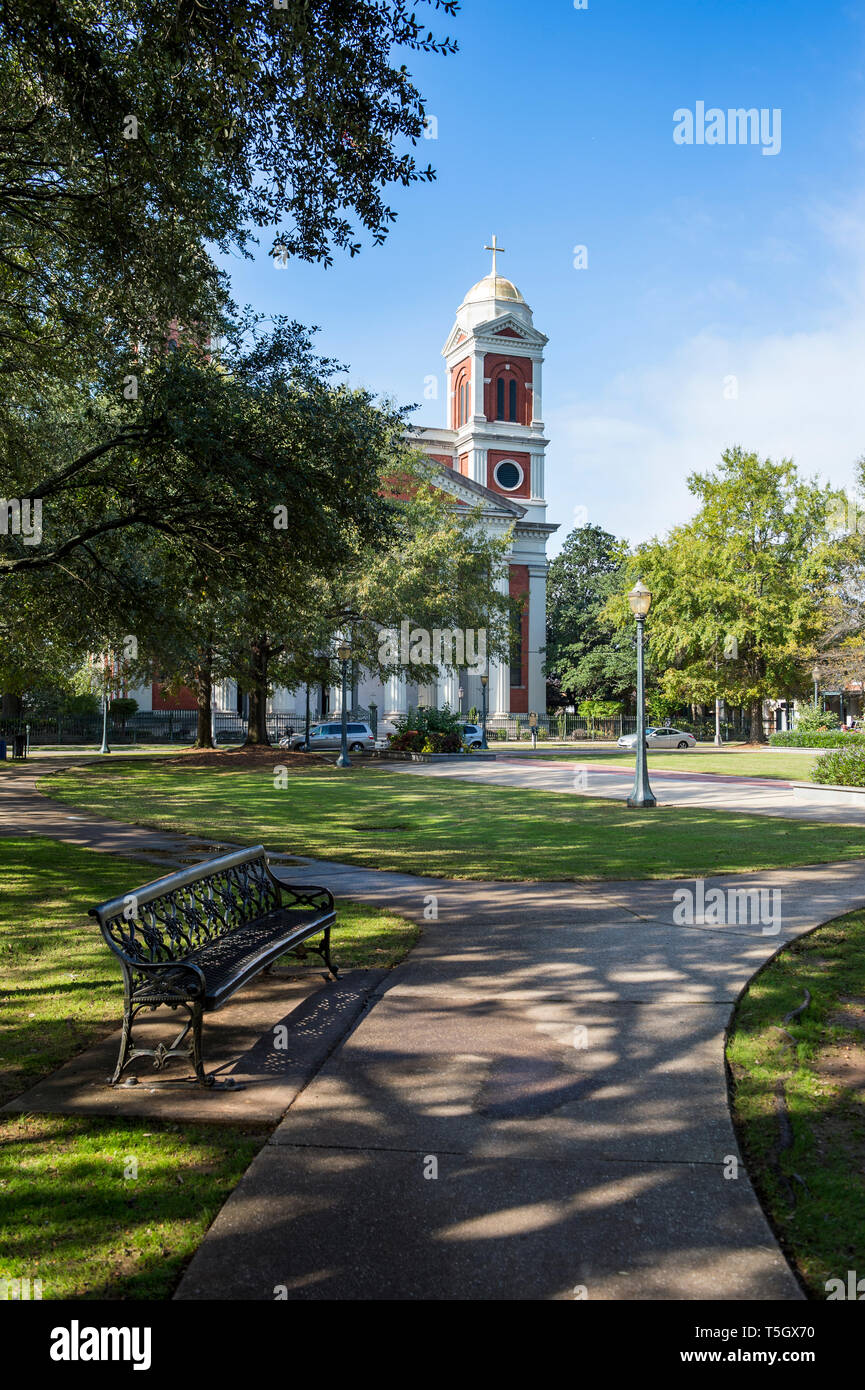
{"x": 537, "y": 402}
{"x": 499, "y": 690}
{"x": 537, "y": 637}
{"x": 537, "y": 467}
{"x": 448, "y": 691}
{"x": 478, "y": 384}
{"x": 478, "y": 466}
{"x": 396, "y": 702}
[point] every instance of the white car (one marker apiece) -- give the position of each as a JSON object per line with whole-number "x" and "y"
{"x": 661, "y": 738}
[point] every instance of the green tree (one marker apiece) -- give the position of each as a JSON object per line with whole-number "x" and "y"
{"x": 586, "y": 654}
{"x": 137, "y": 132}
{"x": 741, "y": 593}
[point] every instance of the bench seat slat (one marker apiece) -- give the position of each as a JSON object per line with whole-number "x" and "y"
{"x": 230, "y": 961}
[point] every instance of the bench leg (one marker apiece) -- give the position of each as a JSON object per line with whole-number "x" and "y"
{"x": 325, "y": 951}
{"x": 195, "y": 1047}
{"x": 125, "y": 1045}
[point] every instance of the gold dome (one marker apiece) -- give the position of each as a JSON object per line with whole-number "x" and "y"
{"x": 493, "y": 287}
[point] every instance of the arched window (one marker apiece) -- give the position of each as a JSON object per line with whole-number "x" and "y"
{"x": 463, "y": 398}
{"x": 506, "y": 398}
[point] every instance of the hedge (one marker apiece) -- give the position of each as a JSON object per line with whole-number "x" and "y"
{"x": 790, "y": 739}
{"x": 844, "y": 767}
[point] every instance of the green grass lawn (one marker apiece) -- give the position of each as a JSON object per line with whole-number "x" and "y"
{"x": 72, "y": 1215}
{"x": 814, "y": 1190}
{"x": 786, "y": 765}
{"x": 455, "y": 829}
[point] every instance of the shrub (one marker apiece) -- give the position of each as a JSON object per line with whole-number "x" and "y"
{"x": 432, "y": 741}
{"x": 844, "y": 767}
{"x": 816, "y": 721}
{"x": 121, "y": 710}
{"x": 406, "y": 741}
{"x": 793, "y": 739}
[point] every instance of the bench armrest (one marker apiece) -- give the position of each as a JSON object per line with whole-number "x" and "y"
{"x": 157, "y": 965}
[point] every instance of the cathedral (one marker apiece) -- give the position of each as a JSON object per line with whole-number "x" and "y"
{"x": 489, "y": 454}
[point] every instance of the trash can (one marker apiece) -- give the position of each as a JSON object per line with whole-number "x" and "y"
{"x": 19, "y": 745}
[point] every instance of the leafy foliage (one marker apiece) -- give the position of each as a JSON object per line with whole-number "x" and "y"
{"x": 428, "y": 730}
{"x": 586, "y": 653}
{"x": 741, "y": 592}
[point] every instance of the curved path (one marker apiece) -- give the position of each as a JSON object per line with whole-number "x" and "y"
{"x": 533, "y": 1106}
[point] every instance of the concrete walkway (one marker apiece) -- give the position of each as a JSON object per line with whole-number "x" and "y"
{"x": 714, "y": 792}
{"x": 533, "y": 1106}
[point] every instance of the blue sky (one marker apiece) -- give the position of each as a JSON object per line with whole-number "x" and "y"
{"x": 705, "y": 263}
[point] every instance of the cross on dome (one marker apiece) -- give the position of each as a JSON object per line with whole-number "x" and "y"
{"x": 497, "y": 251}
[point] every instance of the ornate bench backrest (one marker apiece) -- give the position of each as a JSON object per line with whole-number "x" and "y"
{"x": 169, "y": 918}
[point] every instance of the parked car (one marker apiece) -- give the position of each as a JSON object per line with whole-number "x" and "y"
{"x": 661, "y": 738}
{"x": 323, "y": 737}
{"x": 472, "y": 734}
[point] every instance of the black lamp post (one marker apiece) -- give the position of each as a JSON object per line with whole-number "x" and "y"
{"x": 485, "y": 680}
{"x": 639, "y": 598}
{"x": 343, "y": 652}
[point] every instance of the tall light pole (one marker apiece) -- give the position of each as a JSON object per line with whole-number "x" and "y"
{"x": 105, "y": 669}
{"x": 461, "y": 694}
{"x": 485, "y": 680}
{"x": 343, "y": 652}
{"x": 640, "y": 598}
{"x": 815, "y": 676}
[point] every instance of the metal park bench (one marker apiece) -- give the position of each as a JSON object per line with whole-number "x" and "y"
{"x": 192, "y": 939}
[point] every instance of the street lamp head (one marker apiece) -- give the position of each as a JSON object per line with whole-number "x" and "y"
{"x": 485, "y": 680}
{"x": 343, "y": 651}
{"x": 816, "y": 673}
{"x": 639, "y": 598}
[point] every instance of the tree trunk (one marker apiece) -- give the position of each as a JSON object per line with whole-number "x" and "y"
{"x": 757, "y": 733}
{"x": 204, "y": 697}
{"x": 11, "y": 708}
{"x": 260, "y": 659}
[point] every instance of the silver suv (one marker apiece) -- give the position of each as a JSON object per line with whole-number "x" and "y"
{"x": 327, "y": 736}
{"x": 473, "y": 735}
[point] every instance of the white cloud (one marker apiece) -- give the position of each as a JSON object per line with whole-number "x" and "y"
{"x": 800, "y": 395}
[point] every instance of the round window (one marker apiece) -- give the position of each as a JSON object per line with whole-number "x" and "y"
{"x": 508, "y": 475}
